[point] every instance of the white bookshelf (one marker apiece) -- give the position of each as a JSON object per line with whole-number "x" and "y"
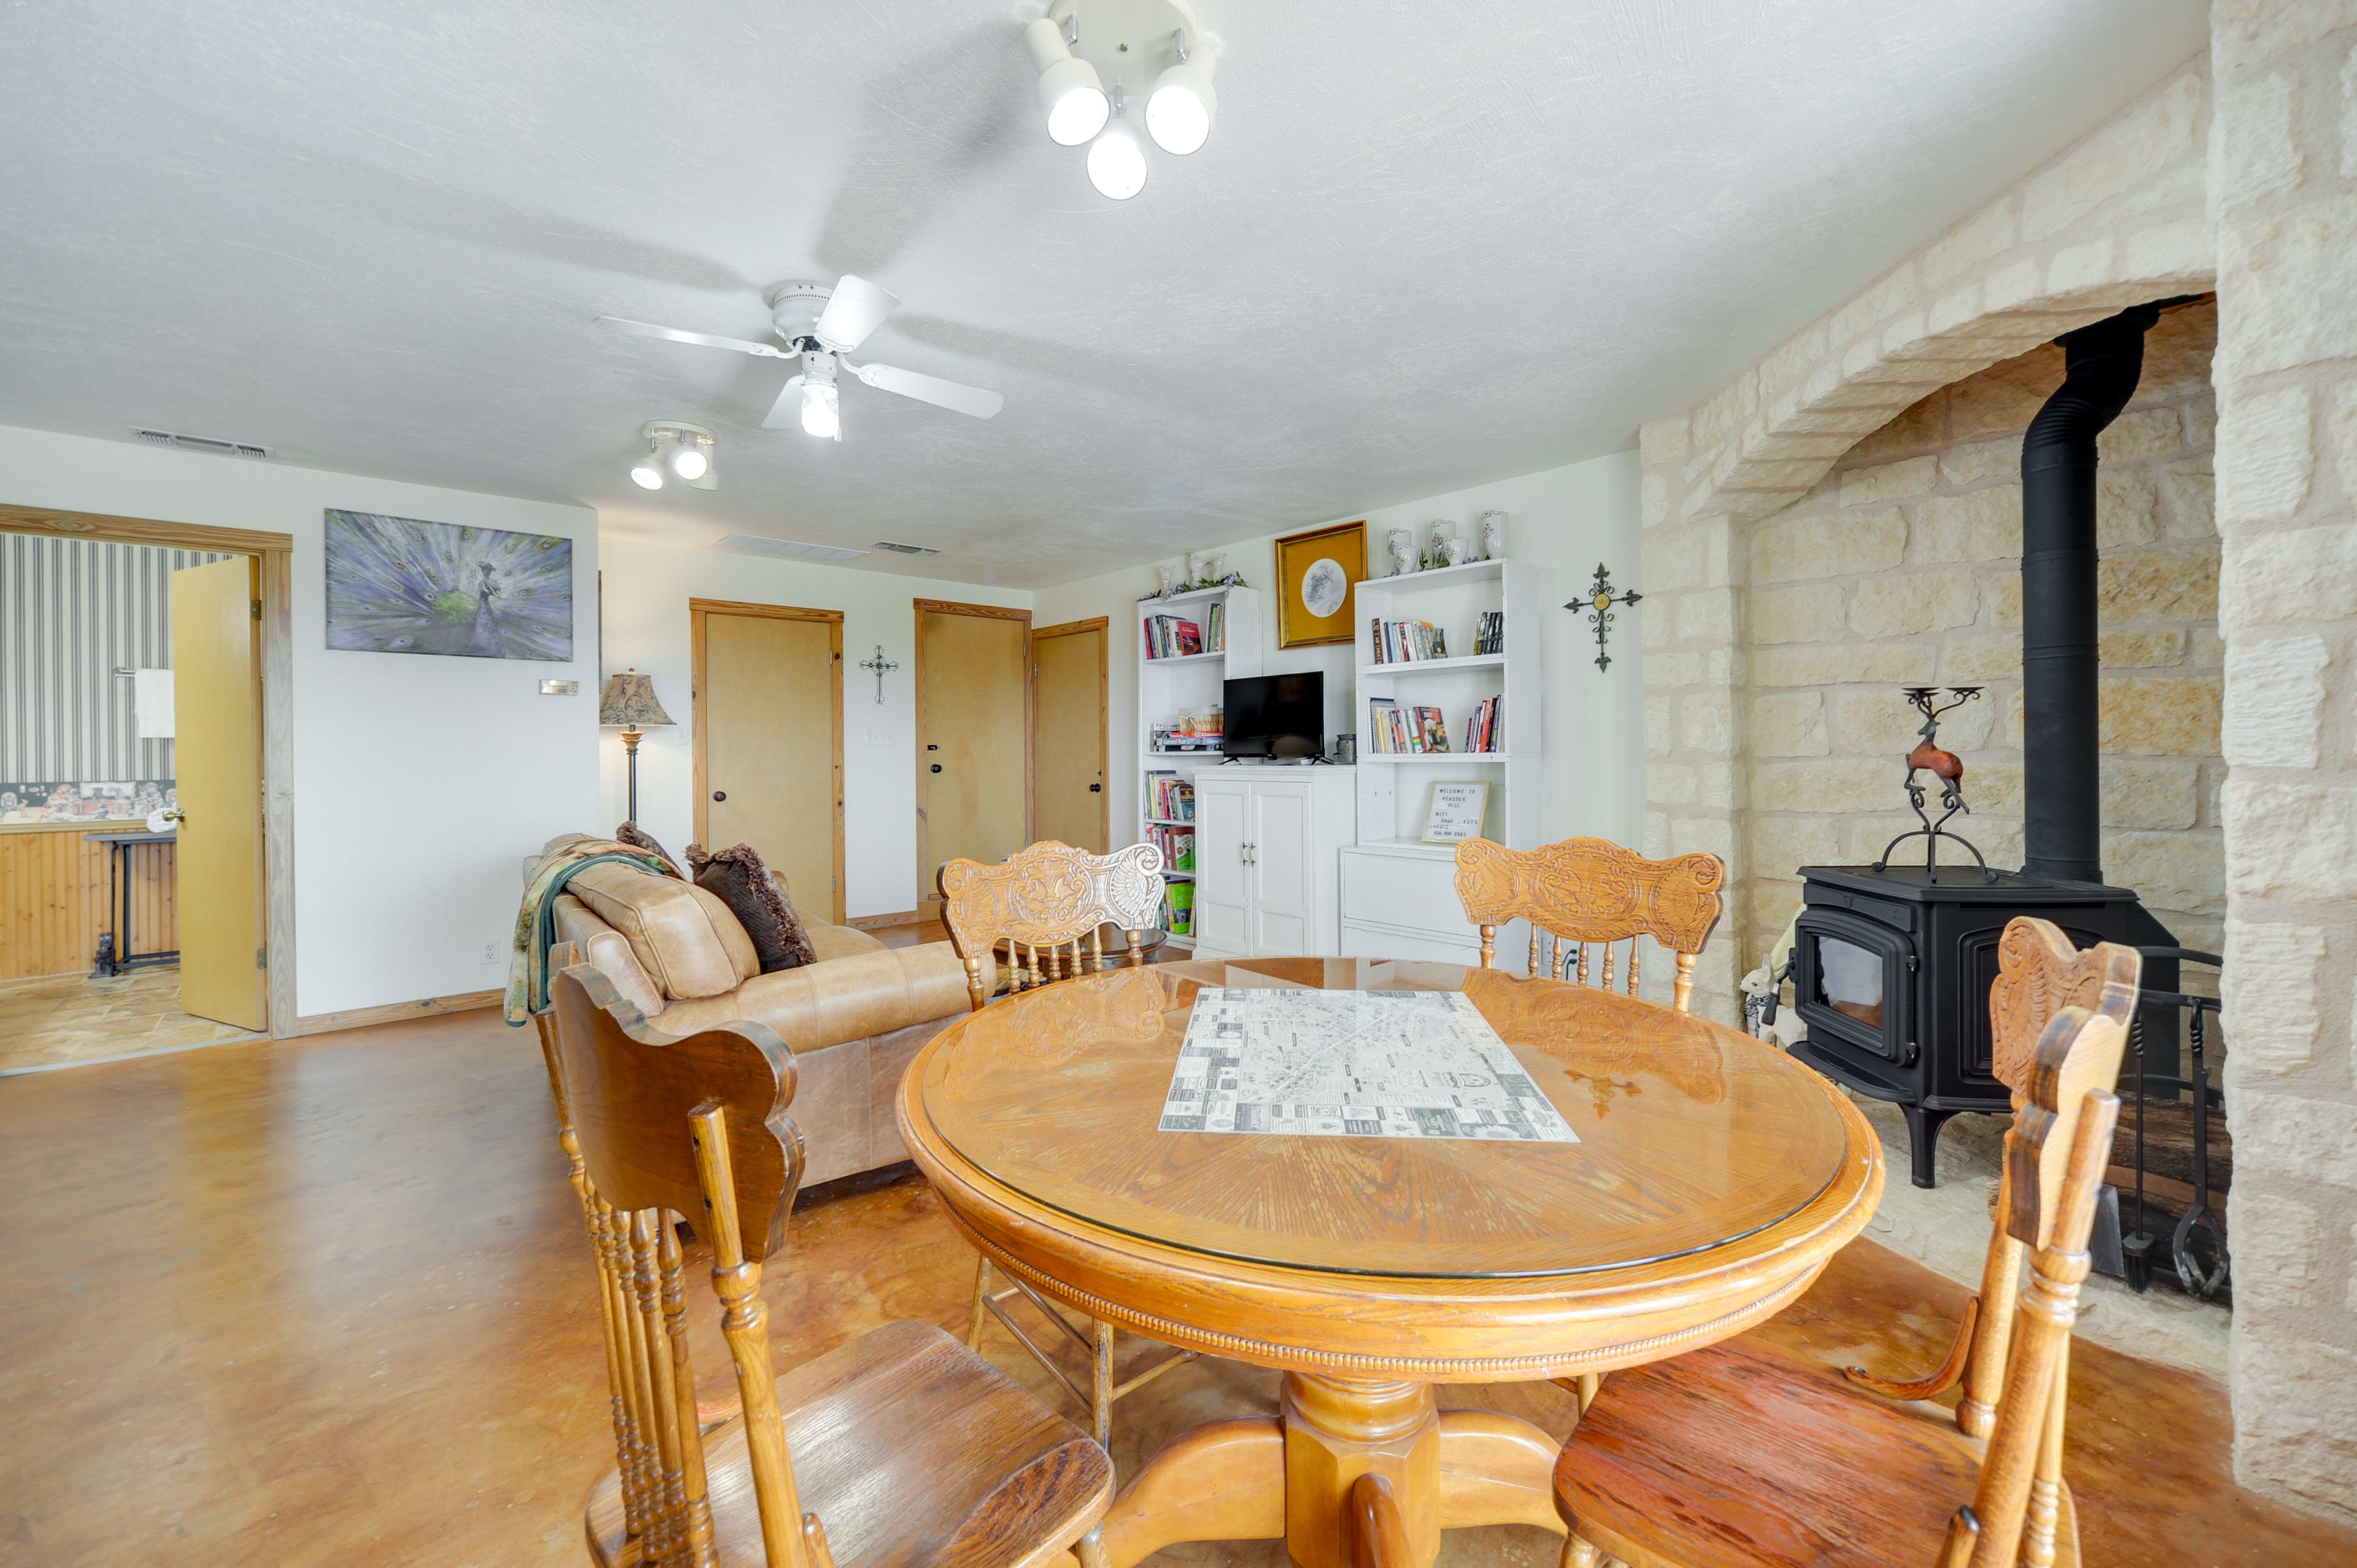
{"x": 1170, "y": 686}
{"x": 1398, "y": 893}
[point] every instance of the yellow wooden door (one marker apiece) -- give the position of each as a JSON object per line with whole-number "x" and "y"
{"x": 972, "y": 738}
{"x": 1068, "y": 733}
{"x": 217, "y": 702}
{"x": 769, "y": 739}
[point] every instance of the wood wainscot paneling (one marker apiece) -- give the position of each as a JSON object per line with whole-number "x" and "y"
{"x": 57, "y": 895}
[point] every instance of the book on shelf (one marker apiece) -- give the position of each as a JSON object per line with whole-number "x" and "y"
{"x": 1215, "y": 628}
{"x": 1406, "y": 642}
{"x": 1395, "y": 730}
{"x": 1482, "y": 726}
{"x": 1177, "y": 844}
{"x": 1169, "y": 798}
{"x": 1169, "y": 637}
{"x": 1489, "y": 635}
{"x": 1178, "y": 908}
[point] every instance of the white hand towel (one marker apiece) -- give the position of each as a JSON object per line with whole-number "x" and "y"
{"x": 151, "y": 694}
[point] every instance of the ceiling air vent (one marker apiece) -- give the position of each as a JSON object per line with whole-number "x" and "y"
{"x": 905, "y": 549}
{"x": 199, "y": 443}
{"x": 785, "y": 548}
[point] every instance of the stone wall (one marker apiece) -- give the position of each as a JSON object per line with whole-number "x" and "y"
{"x": 2284, "y": 187}
{"x": 1902, "y": 567}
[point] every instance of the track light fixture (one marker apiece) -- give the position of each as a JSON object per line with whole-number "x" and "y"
{"x": 1094, "y": 75}
{"x": 672, "y": 447}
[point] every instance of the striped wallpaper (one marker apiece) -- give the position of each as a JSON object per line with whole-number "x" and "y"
{"x": 72, "y": 612}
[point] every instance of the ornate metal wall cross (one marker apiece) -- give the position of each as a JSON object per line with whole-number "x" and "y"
{"x": 1598, "y": 605}
{"x": 880, "y": 664}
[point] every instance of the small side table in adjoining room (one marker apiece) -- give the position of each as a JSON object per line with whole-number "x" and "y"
{"x": 115, "y": 953}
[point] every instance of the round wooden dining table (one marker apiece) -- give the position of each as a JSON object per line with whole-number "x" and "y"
{"x": 1712, "y": 1179}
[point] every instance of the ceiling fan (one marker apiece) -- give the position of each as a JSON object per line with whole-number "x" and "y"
{"x": 819, "y": 326}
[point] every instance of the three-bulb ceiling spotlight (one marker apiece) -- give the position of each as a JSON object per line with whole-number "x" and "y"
{"x": 673, "y": 447}
{"x": 1133, "y": 42}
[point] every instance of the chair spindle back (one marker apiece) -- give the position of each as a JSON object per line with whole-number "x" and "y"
{"x": 657, "y": 1127}
{"x": 1588, "y": 891}
{"x": 1045, "y": 906}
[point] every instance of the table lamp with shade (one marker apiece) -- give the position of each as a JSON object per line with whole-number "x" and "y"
{"x": 629, "y": 701}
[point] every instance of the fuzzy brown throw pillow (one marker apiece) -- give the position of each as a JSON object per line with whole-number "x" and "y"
{"x": 739, "y": 879}
{"x": 637, "y": 837}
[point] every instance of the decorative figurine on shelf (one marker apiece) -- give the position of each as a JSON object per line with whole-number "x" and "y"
{"x": 1436, "y": 555}
{"x": 1215, "y": 569}
{"x": 1195, "y": 578}
{"x": 1169, "y": 575}
{"x": 1399, "y": 545}
{"x": 1598, "y": 605}
{"x": 1493, "y": 535}
{"x": 1945, "y": 766}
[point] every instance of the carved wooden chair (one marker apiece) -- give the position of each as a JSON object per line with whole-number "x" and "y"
{"x": 2038, "y": 976}
{"x": 1749, "y": 1456}
{"x": 1585, "y": 891}
{"x": 903, "y": 1446}
{"x": 1046, "y": 906}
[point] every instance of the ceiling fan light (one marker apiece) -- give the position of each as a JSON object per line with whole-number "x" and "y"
{"x": 822, "y": 411}
{"x": 1117, "y": 162}
{"x": 1178, "y": 114}
{"x": 688, "y": 460}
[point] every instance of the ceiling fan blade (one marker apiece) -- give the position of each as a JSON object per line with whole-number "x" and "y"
{"x": 786, "y": 413}
{"x": 855, "y": 309}
{"x": 929, "y": 389}
{"x": 705, "y": 339}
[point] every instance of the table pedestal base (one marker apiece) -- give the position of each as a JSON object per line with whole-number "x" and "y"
{"x": 1256, "y": 1479}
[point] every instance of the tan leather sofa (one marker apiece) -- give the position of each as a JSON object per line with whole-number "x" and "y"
{"x": 853, "y": 1019}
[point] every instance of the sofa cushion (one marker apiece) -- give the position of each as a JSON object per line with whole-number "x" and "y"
{"x": 607, "y": 950}
{"x": 758, "y": 901}
{"x": 841, "y": 999}
{"x": 839, "y": 941}
{"x": 637, "y": 837}
{"x": 686, "y": 939}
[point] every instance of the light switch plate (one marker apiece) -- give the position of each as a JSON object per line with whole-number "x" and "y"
{"x": 560, "y": 687}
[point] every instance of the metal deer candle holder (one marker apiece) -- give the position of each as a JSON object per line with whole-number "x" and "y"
{"x": 1949, "y": 769}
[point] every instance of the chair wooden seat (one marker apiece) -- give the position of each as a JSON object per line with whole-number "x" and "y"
{"x": 1747, "y": 1455}
{"x": 883, "y": 1431}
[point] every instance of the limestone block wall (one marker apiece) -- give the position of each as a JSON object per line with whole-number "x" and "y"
{"x": 2284, "y": 184}
{"x": 2117, "y": 219}
{"x": 1902, "y": 567}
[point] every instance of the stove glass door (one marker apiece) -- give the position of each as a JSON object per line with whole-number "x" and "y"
{"x": 1850, "y": 978}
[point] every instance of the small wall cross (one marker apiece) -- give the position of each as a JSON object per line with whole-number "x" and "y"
{"x": 880, "y": 664}
{"x": 1598, "y": 604}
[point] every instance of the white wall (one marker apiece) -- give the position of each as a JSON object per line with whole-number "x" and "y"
{"x": 1563, "y": 521}
{"x": 646, "y": 589}
{"x": 419, "y": 780}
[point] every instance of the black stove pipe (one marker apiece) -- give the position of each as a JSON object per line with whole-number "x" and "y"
{"x": 2063, "y": 791}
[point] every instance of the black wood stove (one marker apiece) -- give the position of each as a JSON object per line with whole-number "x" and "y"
{"x": 1891, "y": 966}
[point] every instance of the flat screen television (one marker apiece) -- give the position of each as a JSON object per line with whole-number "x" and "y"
{"x": 1275, "y": 716}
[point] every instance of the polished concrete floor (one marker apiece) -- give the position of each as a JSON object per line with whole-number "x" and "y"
{"x": 327, "y": 1301}
{"x": 61, "y": 1018}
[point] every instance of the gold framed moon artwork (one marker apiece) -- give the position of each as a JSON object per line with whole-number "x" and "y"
{"x": 1315, "y": 574}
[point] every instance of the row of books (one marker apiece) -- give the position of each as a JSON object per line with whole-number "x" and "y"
{"x": 1178, "y": 908}
{"x": 1169, "y": 798}
{"x": 1405, "y": 641}
{"x": 1394, "y": 729}
{"x": 1177, "y": 844}
{"x": 1398, "y": 729}
{"x": 1490, "y": 633}
{"x": 1215, "y": 628}
{"x": 1167, "y": 636}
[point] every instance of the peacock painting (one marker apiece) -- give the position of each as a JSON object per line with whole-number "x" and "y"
{"x": 399, "y": 586}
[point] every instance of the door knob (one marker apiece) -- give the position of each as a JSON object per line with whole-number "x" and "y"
{"x": 176, "y": 815}
{"x": 720, "y": 794}
{"x": 937, "y": 767}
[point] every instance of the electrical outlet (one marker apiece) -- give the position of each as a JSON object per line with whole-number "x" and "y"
{"x": 491, "y": 952}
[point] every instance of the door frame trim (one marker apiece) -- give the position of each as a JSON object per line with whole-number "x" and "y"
{"x": 276, "y": 673}
{"x": 697, "y": 610}
{"x": 1103, "y": 626}
{"x": 929, "y": 894}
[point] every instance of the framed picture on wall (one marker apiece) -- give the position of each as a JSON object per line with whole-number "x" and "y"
{"x": 397, "y": 585}
{"x": 1315, "y": 574}
{"x": 1456, "y": 813}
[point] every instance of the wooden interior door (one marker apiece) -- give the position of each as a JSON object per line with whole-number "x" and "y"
{"x": 1067, "y": 734}
{"x": 217, "y": 702}
{"x": 769, "y": 741}
{"x": 973, "y": 737}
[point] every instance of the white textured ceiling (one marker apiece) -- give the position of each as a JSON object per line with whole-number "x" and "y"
{"x": 1428, "y": 245}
